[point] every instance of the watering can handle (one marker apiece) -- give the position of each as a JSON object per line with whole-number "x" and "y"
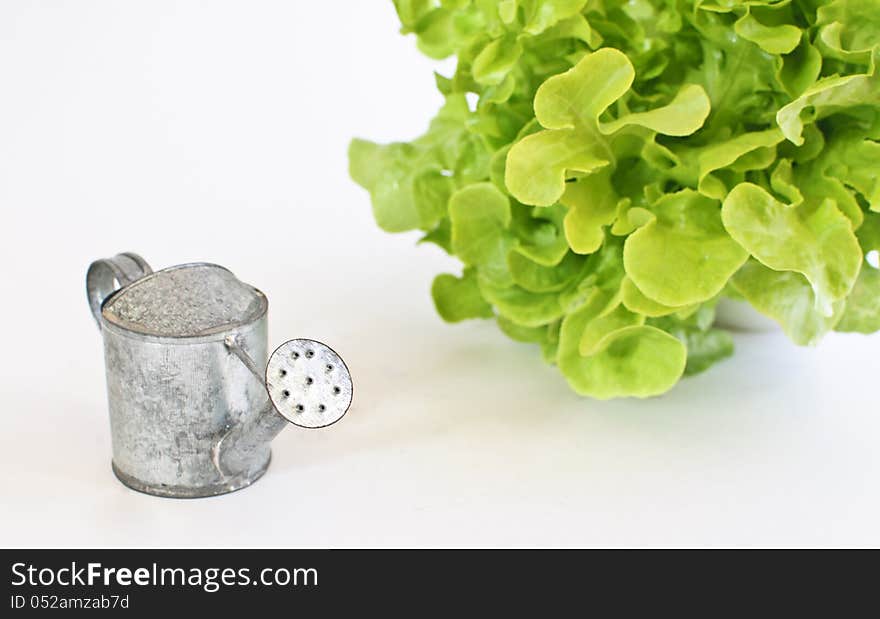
{"x": 108, "y": 275}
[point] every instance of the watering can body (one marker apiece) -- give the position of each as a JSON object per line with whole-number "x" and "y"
{"x": 173, "y": 388}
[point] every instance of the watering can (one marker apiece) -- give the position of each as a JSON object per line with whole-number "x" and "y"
{"x": 193, "y": 402}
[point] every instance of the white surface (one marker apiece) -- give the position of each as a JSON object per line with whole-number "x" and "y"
{"x": 740, "y": 316}
{"x": 217, "y": 131}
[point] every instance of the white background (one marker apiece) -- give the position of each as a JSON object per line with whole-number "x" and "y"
{"x": 218, "y": 131}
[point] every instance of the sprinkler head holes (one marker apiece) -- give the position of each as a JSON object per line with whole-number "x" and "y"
{"x": 309, "y": 384}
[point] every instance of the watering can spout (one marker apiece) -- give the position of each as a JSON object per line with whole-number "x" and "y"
{"x": 244, "y": 446}
{"x": 307, "y": 384}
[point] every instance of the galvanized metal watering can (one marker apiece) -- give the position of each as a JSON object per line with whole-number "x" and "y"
{"x": 193, "y": 403}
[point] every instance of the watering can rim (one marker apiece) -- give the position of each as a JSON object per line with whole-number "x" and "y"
{"x": 217, "y": 332}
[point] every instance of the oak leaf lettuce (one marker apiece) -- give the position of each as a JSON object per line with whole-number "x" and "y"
{"x": 628, "y": 163}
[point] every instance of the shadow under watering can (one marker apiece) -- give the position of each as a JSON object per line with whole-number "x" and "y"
{"x": 193, "y": 403}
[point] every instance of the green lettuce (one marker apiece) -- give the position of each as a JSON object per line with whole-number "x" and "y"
{"x": 608, "y": 170}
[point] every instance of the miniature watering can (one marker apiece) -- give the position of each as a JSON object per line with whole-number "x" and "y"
{"x": 193, "y": 403}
